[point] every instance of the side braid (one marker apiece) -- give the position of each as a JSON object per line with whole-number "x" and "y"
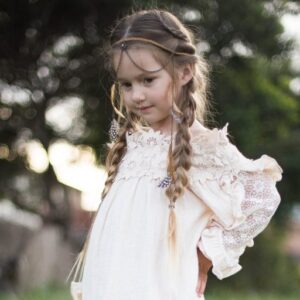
{"x": 181, "y": 155}
{"x": 114, "y": 157}
{"x": 176, "y": 32}
{"x": 180, "y": 161}
{"x": 112, "y": 162}
{"x": 182, "y": 38}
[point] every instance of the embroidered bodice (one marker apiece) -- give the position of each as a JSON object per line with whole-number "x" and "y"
{"x": 241, "y": 192}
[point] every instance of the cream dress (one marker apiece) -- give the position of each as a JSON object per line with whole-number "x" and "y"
{"x": 231, "y": 199}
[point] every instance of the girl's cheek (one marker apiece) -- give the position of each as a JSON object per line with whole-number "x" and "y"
{"x": 127, "y": 102}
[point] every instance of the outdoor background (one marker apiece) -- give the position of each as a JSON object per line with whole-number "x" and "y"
{"x": 55, "y": 114}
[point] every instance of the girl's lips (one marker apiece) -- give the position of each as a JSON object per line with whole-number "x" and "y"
{"x": 145, "y": 108}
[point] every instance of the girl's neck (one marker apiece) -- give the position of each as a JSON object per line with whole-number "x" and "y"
{"x": 196, "y": 128}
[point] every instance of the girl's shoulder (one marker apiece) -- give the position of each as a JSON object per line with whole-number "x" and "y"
{"x": 206, "y": 138}
{"x": 211, "y": 147}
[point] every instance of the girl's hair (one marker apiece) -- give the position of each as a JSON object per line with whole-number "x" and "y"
{"x": 172, "y": 45}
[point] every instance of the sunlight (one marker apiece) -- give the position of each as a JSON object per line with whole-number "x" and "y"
{"x": 65, "y": 117}
{"x": 75, "y": 166}
{"x": 37, "y": 157}
{"x": 291, "y": 25}
{"x": 66, "y": 43}
{"x": 13, "y": 94}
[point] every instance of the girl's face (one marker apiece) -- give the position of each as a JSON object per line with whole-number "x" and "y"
{"x": 146, "y": 94}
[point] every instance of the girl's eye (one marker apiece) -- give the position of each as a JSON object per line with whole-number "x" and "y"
{"x": 126, "y": 85}
{"x": 148, "y": 80}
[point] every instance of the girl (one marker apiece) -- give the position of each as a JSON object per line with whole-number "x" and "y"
{"x": 179, "y": 197}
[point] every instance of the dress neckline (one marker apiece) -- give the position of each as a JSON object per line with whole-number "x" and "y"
{"x": 196, "y": 125}
{"x": 158, "y": 132}
{"x": 145, "y": 134}
{"x": 149, "y": 136}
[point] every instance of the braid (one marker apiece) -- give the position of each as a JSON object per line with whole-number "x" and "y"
{"x": 181, "y": 155}
{"x": 176, "y": 32}
{"x": 114, "y": 157}
{"x": 182, "y": 38}
{"x": 112, "y": 162}
{"x": 180, "y": 160}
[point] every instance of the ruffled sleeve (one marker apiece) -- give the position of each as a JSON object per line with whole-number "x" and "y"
{"x": 241, "y": 194}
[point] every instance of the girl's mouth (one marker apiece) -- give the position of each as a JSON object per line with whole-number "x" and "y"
{"x": 145, "y": 108}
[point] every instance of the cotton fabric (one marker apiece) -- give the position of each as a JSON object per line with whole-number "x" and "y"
{"x": 230, "y": 200}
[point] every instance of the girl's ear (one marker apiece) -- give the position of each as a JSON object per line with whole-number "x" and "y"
{"x": 185, "y": 74}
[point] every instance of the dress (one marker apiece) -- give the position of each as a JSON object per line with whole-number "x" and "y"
{"x": 231, "y": 199}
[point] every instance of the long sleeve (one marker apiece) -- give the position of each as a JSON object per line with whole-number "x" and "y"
{"x": 242, "y": 196}
{"x": 224, "y": 247}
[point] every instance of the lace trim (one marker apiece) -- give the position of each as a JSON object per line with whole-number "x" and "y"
{"x": 147, "y": 138}
{"x": 214, "y": 150}
{"x": 147, "y": 152}
{"x": 139, "y": 163}
{"x": 259, "y": 204}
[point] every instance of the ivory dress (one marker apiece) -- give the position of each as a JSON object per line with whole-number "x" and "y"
{"x": 231, "y": 199}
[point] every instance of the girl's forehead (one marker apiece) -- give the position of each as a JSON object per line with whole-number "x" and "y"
{"x": 133, "y": 60}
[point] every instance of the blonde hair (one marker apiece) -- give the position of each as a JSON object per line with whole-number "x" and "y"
{"x": 168, "y": 40}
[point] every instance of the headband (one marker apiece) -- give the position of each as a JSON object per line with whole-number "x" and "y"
{"x": 123, "y": 45}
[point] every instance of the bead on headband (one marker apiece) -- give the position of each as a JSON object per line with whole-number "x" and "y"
{"x": 124, "y": 48}
{"x": 123, "y": 45}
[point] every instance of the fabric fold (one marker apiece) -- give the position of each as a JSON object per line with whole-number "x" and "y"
{"x": 212, "y": 247}
{"x": 241, "y": 194}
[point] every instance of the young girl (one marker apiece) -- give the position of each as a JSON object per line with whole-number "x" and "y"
{"x": 179, "y": 197}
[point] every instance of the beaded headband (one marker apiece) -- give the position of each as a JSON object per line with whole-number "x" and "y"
{"x": 124, "y": 45}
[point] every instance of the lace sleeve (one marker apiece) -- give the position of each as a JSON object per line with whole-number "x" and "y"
{"x": 260, "y": 203}
{"x": 224, "y": 247}
{"x": 240, "y": 192}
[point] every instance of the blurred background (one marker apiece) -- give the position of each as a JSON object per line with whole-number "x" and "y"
{"x": 55, "y": 114}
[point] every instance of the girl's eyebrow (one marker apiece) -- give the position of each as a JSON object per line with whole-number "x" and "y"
{"x": 122, "y": 79}
{"x": 139, "y": 76}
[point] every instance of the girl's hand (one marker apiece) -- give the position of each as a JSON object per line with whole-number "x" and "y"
{"x": 204, "y": 266}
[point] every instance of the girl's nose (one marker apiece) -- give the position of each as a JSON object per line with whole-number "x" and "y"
{"x": 138, "y": 94}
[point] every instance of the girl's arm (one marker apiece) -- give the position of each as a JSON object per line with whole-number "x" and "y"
{"x": 224, "y": 246}
{"x": 204, "y": 265}
{"x": 240, "y": 193}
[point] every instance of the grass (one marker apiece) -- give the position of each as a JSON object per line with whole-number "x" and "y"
{"x": 63, "y": 294}
{"x": 252, "y": 296}
{"x": 39, "y": 294}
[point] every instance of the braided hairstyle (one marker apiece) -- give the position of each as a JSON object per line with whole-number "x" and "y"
{"x": 167, "y": 35}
